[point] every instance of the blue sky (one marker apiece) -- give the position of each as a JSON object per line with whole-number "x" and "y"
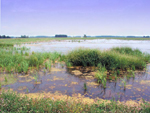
{"x": 75, "y": 17}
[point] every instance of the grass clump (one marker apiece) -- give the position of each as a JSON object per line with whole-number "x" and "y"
{"x": 101, "y": 75}
{"x": 84, "y": 57}
{"x": 132, "y": 52}
{"x": 112, "y": 60}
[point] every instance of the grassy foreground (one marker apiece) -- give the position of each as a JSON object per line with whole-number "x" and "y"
{"x": 12, "y": 102}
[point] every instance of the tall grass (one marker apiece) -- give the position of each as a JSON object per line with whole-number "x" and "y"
{"x": 101, "y": 75}
{"x": 84, "y": 57}
{"x": 132, "y": 52}
{"x": 16, "y": 59}
{"x": 112, "y": 60}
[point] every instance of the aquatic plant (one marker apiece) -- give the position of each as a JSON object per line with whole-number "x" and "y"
{"x": 132, "y": 52}
{"x": 46, "y": 65}
{"x": 68, "y": 64}
{"x": 62, "y": 58}
{"x": 110, "y": 59}
{"x": 118, "y": 72}
{"x": 12, "y": 60}
{"x": 124, "y": 81}
{"x": 6, "y": 45}
{"x": 85, "y": 86}
{"x": 33, "y": 60}
{"x": 62, "y": 65}
{"x": 44, "y": 70}
{"x": 36, "y": 78}
{"x": 6, "y": 79}
{"x": 49, "y": 66}
{"x": 101, "y": 75}
{"x": 84, "y": 57}
{"x": 23, "y": 67}
{"x": 33, "y": 52}
{"x": 26, "y": 54}
{"x": 54, "y": 56}
{"x": 27, "y": 90}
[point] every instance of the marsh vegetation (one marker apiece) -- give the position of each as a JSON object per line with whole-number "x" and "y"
{"x": 116, "y": 64}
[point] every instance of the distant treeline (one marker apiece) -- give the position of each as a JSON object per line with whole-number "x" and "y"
{"x": 23, "y": 36}
{"x": 65, "y": 36}
{"x": 61, "y": 36}
{"x": 4, "y": 36}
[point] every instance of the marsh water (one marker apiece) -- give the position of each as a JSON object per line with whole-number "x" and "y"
{"x": 60, "y": 79}
{"x": 64, "y": 46}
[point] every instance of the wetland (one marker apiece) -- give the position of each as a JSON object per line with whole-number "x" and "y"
{"x": 96, "y": 69}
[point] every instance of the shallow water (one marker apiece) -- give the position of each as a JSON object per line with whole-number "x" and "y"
{"x": 59, "y": 79}
{"x": 64, "y": 46}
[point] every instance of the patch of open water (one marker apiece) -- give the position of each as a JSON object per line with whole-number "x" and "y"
{"x": 61, "y": 80}
{"x": 67, "y": 45}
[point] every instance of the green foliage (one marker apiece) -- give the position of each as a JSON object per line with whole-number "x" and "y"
{"x": 110, "y": 59}
{"x": 6, "y": 79}
{"x": 6, "y": 45}
{"x": 26, "y": 54}
{"x": 23, "y": 67}
{"x": 48, "y": 65}
{"x": 101, "y": 75}
{"x": 132, "y": 52}
{"x": 54, "y": 56}
{"x": 13, "y": 59}
{"x": 85, "y": 86}
{"x": 127, "y": 50}
{"x": 84, "y": 57}
{"x": 12, "y": 102}
{"x": 68, "y": 64}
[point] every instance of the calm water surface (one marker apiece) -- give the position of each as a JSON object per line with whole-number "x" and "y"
{"x": 67, "y": 45}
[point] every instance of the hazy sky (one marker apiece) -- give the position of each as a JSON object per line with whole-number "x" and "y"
{"x": 75, "y": 17}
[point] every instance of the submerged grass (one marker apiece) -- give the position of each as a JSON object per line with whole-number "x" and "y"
{"x": 12, "y": 102}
